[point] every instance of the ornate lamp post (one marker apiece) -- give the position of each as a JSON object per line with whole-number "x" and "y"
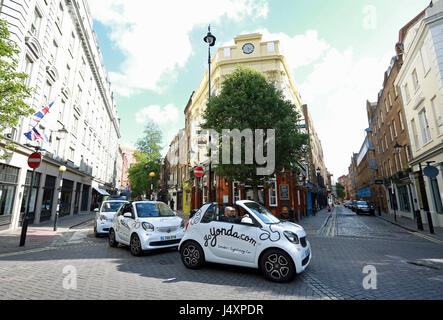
{"x": 210, "y": 40}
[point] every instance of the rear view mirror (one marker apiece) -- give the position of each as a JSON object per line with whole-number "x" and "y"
{"x": 96, "y": 210}
{"x": 127, "y": 215}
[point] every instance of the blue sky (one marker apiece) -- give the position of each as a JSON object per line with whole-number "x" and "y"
{"x": 337, "y": 51}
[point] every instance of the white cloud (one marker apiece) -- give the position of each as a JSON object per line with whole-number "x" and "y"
{"x": 154, "y": 35}
{"x": 161, "y": 116}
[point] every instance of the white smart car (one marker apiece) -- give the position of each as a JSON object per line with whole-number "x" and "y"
{"x": 105, "y": 215}
{"x": 256, "y": 239}
{"x": 146, "y": 225}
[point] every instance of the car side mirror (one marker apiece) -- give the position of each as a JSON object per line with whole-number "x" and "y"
{"x": 127, "y": 215}
{"x": 247, "y": 220}
{"x": 96, "y": 210}
{"x": 193, "y": 211}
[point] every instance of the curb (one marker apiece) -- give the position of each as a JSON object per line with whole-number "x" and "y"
{"x": 79, "y": 224}
{"x": 397, "y": 224}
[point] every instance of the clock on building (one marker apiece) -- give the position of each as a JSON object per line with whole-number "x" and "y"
{"x": 248, "y": 48}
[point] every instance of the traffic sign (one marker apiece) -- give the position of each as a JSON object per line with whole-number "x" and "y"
{"x": 430, "y": 172}
{"x": 34, "y": 160}
{"x": 199, "y": 172}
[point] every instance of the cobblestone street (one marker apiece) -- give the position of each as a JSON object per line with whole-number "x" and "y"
{"x": 408, "y": 267}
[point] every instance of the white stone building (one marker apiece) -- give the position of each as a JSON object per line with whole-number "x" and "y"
{"x": 420, "y": 81}
{"x": 59, "y": 51}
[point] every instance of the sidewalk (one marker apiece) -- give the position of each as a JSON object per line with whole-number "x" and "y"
{"x": 411, "y": 226}
{"x": 41, "y": 235}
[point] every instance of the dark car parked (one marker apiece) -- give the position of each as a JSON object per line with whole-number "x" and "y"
{"x": 364, "y": 207}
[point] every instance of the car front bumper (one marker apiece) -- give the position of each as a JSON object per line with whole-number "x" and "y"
{"x": 156, "y": 240}
{"x": 301, "y": 256}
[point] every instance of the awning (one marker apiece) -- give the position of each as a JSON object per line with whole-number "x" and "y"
{"x": 101, "y": 191}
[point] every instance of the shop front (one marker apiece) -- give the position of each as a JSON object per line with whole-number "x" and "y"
{"x": 34, "y": 193}
{"x": 48, "y": 197}
{"x": 8, "y": 187}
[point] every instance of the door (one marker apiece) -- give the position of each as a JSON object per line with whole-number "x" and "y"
{"x": 228, "y": 240}
{"x": 123, "y": 224}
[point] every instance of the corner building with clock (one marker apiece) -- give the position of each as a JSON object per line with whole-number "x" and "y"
{"x": 284, "y": 190}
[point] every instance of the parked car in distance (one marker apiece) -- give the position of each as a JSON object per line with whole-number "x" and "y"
{"x": 363, "y": 207}
{"x": 105, "y": 214}
{"x": 146, "y": 225}
{"x": 347, "y": 204}
{"x": 251, "y": 236}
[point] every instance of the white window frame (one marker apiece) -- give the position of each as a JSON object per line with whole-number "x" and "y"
{"x": 270, "y": 193}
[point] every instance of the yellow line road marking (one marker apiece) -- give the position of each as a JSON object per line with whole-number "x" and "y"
{"x": 426, "y": 237}
{"x": 10, "y": 254}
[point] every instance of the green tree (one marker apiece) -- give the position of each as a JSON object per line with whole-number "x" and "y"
{"x": 340, "y": 190}
{"x": 13, "y": 90}
{"x": 148, "y": 160}
{"x": 248, "y": 101}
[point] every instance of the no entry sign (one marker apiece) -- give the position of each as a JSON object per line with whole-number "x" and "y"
{"x": 34, "y": 160}
{"x": 199, "y": 172}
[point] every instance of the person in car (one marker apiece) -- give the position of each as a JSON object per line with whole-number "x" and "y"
{"x": 232, "y": 216}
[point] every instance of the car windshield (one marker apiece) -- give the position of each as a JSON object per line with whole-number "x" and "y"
{"x": 112, "y": 206}
{"x": 262, "y": 213}
{"x": 148, "y": 210}
{"x": 362, "y": 203}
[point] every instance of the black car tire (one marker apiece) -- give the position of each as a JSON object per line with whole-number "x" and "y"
{"x": 112, "y": 241}
{"x": 192, "y": 255}
{"x": 277, "y": 266}
{"x": 135, "y": 245}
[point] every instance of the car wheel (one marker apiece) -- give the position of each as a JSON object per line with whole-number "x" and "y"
{"x": 135, "y": 245}
{"x": 112, "y": 242}
{"x": 277, "y": 266}
{"x": 192, "y": 255}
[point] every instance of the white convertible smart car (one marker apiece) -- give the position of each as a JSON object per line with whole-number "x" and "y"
{"x": 256, "y": 239}
{"x": 105, "y": 215}
{"x": 146, "y": 225}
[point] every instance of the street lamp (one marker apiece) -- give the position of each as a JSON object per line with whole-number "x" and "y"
{"x": 61, "y": 170}
{"x": 210, "y": 40}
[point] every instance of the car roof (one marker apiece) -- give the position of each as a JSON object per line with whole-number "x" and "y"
{"x": 147, "y": 201}
{"x": 116, "y": 201}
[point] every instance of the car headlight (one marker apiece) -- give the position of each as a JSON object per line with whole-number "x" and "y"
{"x": 147, "y": 226}
{"x": 292, "y": 237}
{"x": 182, "y": 225}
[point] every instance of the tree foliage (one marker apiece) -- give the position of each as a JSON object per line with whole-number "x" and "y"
{"x": 148, "y": 160}
{"x": 248, "y": 101}
{"x": 340, "y": 190}
{"x": 13, "y": 90}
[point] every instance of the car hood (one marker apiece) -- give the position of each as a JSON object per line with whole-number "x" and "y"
{"x": 289, "y": 226}
{"x": 162, "y": 222}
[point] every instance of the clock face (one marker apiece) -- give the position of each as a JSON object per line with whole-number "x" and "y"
{"x": 248, "y": 48}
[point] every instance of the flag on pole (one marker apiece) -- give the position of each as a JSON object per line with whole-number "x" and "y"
{"x": 37, "y": 134}
{"x": 38, "y": 116}
{"x": 30, "y": 136}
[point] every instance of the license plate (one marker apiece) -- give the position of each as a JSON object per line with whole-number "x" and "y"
{"x": 164, "y": 238}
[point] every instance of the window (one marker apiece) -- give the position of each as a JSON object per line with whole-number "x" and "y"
{"x": 61, "y": 111}
{"x": 71, "y": 154}
{"x": 395, "y": 128}
{"x": 29, "y": 66}
{"x": 424, "y": 126}
{"x": 402, "y": 127}
{"x": 386, "y": 142}
{"x": 396, "y": 91}
{"x": 438, "y": 115}
{"x": 47, "y": 93}
{"x": 425, "y": 60}
{"x": 72, "y": 43}
{"x": 390, "y": 130}
{"x": 236, "y": 192}
{"x": 390, "y": 101}
{"x": 406, "y": 92}
{"x": 415, "y": 134}
{"x": 60, "y": 14}
{"x": 54, "y": 53}
{"x": 35, "y": 26}
{"x": 273, "y": 193}
{"x": 74, "y": 125}
{"x": 415, "y": 80}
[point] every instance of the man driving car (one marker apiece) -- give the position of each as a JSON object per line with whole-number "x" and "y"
{"x": 231, "y": 216}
